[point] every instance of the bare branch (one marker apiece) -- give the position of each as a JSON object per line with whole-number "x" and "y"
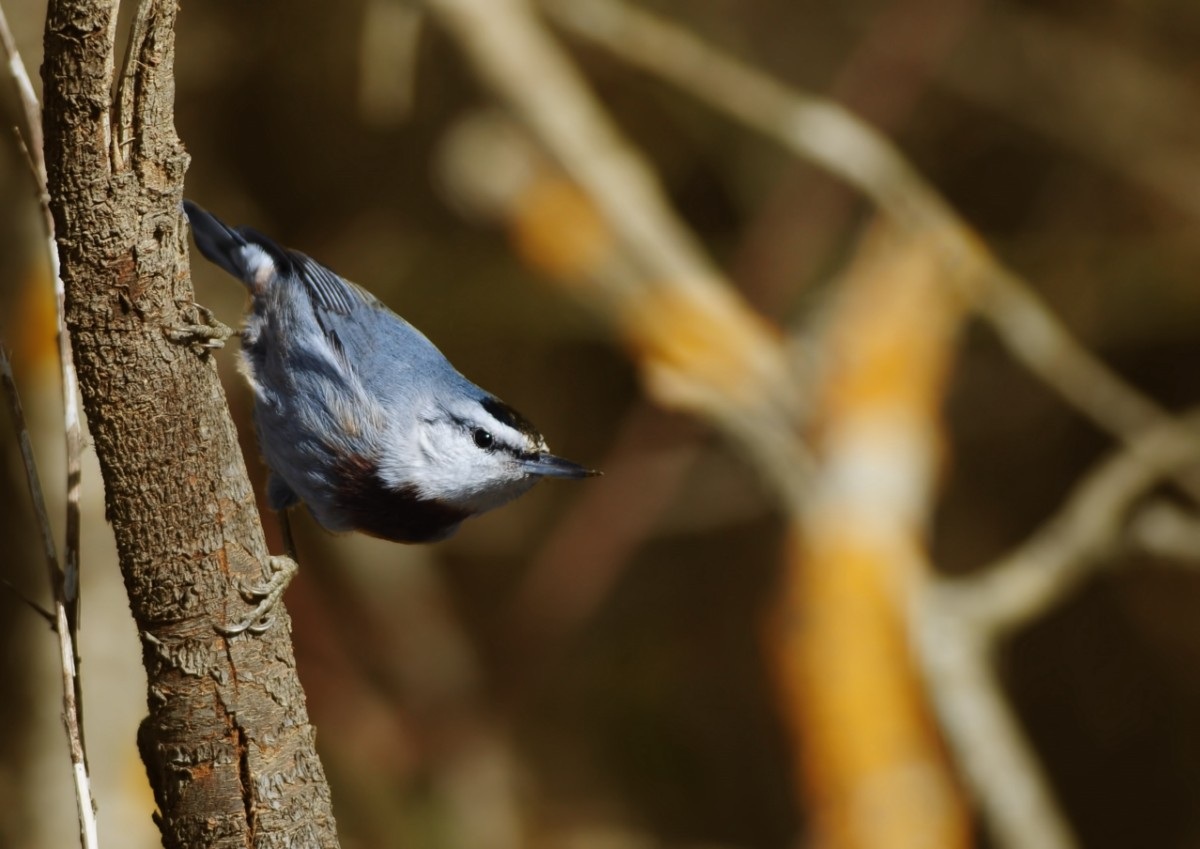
{"x": 1027, "y": 582}
{"x": 829, "y": 136}
{"x": 957, "y": 622}
{"x": 28, "y": 97}
{"x": 989, "y": 744}
{"x": 1040, "y": 72}
{"x": 70, "y": 382}
{"x": 72, "y": 425}
{"x": 852, "y": 690}
{"x": 66, "y": 638}
{"x": 1164, "y": 529}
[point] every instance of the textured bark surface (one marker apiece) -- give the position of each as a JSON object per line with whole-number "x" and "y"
{"x": 227, "y": 742}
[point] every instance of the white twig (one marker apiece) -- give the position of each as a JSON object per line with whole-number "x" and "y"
{"x": 957, "y": 622}
{"x": 28, "y": 97}
{"x": 70, "y": 381}
{"x": 66, "y": 643}
{"x": 65, "y": 581}
{"x": 1164, "y": 529}
{"x": 1024, "y": 584}
{"x": 989, "y": 745}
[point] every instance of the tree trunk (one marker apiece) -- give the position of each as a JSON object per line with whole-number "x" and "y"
{"x": 227, "y": 742}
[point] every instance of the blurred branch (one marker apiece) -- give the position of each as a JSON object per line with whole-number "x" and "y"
{"x": 1108, "y": 104}
{"x": 388, "y": 53}
{"x": 66, "y": 637}
{"x": 876, "y": 773}
{"x": 827, "y": 135}
{"x": 958, "y": 622}
{"x": 699, "y": 346}
{"x": 1024, "y": 584}
{"x": 989, "y": 745}
{"x": 805, "y": 214}
{"x": 30, "y": 108}
{"x": 1164, "y": 529}
{"x": 571, "y": 575}
{"x": 878, "y": 475}
{"x": 33, "y": 605}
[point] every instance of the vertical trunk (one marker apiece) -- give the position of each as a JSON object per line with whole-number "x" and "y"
{"x": 227, "y": 741}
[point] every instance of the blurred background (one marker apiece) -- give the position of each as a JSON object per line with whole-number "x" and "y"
{"x": 591, "y": 665}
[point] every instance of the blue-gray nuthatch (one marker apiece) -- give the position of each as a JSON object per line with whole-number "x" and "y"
{"x": 358, "y": 414}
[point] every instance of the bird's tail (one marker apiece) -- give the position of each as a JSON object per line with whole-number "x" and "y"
{"x": 247, "y": 255}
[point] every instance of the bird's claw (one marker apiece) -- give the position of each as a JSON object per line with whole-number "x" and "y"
{"x": 264, "y": 597}
{"x": 200, "y": 329}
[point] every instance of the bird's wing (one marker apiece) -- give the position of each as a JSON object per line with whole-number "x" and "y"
{"x": 329, "y": 291}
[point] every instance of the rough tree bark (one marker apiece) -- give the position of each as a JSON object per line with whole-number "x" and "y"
{"x": 227, "y": 742}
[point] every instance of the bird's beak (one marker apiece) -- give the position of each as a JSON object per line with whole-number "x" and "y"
{"x": 550, "y": 466}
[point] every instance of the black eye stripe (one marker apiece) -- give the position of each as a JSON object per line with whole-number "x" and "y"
{"x": 506, "y": 415}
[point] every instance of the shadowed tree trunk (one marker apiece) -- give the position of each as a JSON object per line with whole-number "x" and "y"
{"x": 227, "y": 742}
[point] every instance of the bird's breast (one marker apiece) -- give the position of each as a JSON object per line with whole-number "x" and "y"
{"x": 396, "y": 514}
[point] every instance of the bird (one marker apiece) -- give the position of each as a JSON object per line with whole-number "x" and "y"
{"x": 359, "y": 416}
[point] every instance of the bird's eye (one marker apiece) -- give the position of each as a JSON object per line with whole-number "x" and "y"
{"x": 482, "y": 438}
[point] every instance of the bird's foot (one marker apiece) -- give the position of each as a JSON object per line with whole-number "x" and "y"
{"x": 199, "y": 328}
{"x": 264, "y": 597}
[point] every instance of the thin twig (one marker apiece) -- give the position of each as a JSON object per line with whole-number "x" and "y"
{"x": 25, "y": 91}
{"x": 70, "y": 382}
{"x": 66, "y": 643}
{"x": 1024, "y": 584}
{"x": 33, "y": 605}
{"x": 65, "y": 582}
{"x": 1039, "y": 71}
{"x": 824, "y": 133}
{"x": 995, "y": 758}
{"x": 1164, "y": 529}
{"x": 957, "y": 623}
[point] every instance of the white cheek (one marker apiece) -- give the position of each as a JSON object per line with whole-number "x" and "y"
{"x": 457, "y": 471}
{"x": 440, "y": 463}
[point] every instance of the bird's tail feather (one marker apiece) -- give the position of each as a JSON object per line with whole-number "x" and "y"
{"x": 245, "y": 254}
